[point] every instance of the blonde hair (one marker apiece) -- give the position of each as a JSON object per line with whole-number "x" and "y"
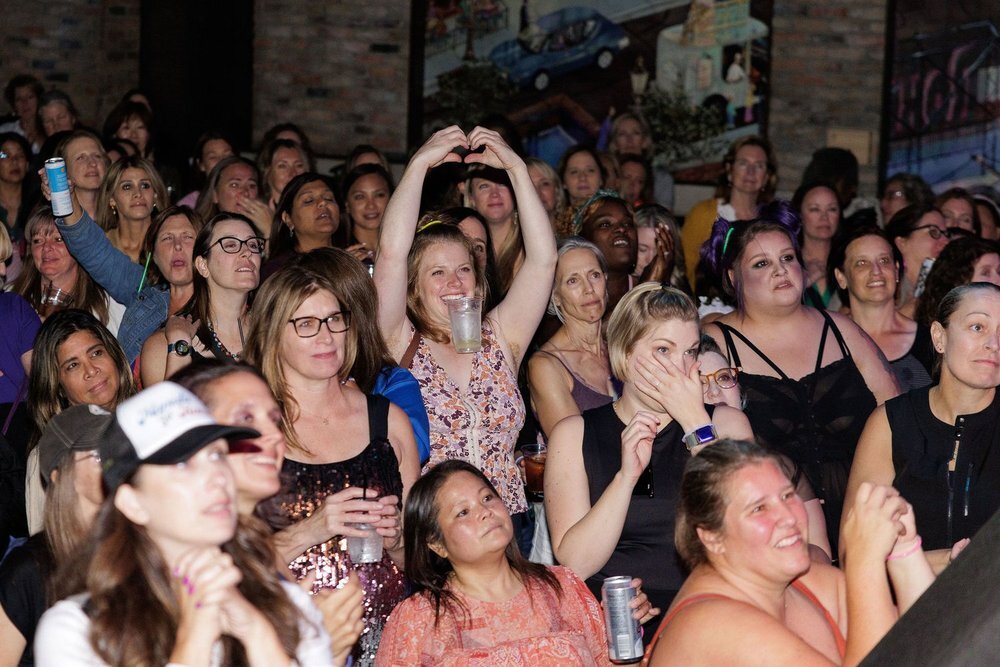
{"x": 6, "y": 248}
{"x": 637, "y": 312}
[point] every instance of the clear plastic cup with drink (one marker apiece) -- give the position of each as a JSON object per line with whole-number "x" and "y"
{"x": 367, "y": 549}
{"x": 466, "y": 315}
{"x": 55, "y": 298}
{"x": 534, "y": 467}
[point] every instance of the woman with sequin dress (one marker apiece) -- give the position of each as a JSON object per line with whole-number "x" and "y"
{"x": 227, "y": 256}
{"x": 472, "y": 400}
{"x": 351, "y": 457}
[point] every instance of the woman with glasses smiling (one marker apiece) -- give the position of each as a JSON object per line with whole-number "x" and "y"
{"x": 227, "y": 257}
{"x": 351, "y": 457}
{"x": 920, "y": 234}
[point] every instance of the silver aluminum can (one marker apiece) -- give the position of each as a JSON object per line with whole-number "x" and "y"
{"x": 62, "y": 201}
{"x": 624, "y": 634}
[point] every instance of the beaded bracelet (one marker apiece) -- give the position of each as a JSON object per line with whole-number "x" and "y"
{"x": 909, "y": 552}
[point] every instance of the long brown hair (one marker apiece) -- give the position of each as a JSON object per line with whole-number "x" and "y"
{"x": 46, "y": 397}
{"x": 276, "y": 302}
{"x": 106, "y": 216}
{"x": 428, "y": 572}
{"x": 87, "y": 294}
{"x": 356, "y": 293}
{"x": 132, "y": 609}
{"x": 153, "y": 273}
{"x": 65, "y": 532}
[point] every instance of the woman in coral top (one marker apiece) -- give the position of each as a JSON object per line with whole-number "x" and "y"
{"x": 478, "y": 601}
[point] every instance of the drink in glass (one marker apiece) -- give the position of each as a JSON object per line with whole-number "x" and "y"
{"x": 534, "y": 468}
{"x": 465, "y": 314}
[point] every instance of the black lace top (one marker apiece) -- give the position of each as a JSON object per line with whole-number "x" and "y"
{"x": 815, "y": 421}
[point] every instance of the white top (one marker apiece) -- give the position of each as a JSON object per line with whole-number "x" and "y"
{"x": 62, "y": 638}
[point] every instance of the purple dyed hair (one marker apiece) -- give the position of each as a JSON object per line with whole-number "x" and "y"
{"x": 723, "y": 248}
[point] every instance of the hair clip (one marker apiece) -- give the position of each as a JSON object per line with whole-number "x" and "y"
{"x": 725, "y": 242}
{"x": 602, "y": 193}
{"x": 429, "y": 223}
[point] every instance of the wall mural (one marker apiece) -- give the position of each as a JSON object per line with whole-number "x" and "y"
{"x": 944, "y": 97}
{"x": 560, "y": 70}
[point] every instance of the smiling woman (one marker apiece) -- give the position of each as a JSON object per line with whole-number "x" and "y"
{"x": 472, "y": 400}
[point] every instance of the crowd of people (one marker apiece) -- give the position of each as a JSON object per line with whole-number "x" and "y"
{"x": 248, "y": 420}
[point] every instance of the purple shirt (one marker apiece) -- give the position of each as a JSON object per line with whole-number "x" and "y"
{"x": 19, "y": 324}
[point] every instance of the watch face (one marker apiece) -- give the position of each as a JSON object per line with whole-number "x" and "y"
{"x": 182, "y": 348}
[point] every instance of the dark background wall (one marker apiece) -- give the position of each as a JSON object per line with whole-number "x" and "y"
{"x": 341, "y": 69}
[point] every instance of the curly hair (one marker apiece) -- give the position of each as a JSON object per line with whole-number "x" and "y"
{"x": 953, "y": 267}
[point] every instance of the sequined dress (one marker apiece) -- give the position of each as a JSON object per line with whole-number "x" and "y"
{"x": 303, "y": 488}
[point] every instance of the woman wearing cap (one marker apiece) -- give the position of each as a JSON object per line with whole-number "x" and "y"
{"x": 160, "y": 587}
{"x": 71, "y": 468}
{"x": 238, "y": 395}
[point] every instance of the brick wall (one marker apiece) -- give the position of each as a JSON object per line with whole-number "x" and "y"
{"x": 87, "y": 48}
{"x": 340, "y": 71}
{"x": 827, "y": 72}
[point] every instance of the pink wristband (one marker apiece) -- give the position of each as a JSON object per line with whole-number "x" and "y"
{"x": 909, "y": 552}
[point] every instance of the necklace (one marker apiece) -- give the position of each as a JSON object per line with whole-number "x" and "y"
{"x": 218, "y": 348}
{"x": 322, "y": 418}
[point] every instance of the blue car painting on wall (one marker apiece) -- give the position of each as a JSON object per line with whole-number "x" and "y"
{"x": 559, "y": 43}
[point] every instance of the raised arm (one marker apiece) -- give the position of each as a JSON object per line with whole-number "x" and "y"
{"x": 399, "y": 226}
{"x": 107, "y": 265}
{"x": 522, "y": 309}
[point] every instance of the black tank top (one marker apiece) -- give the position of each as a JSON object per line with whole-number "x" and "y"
{"x": 948, "y": 506}
{"x": 815, "y": 421}
{"x": 646, "y": 546}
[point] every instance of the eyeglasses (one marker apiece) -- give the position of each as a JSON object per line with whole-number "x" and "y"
{"x": 307, "y": 327}
{"x": 934, "y": 231}
{"x": 959, "y": 232}
{"x": 724, "y": 377}
{"x": 232, "y": 245}
{"x": 894, "y": 194}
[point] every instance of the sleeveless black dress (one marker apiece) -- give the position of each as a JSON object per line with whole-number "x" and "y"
{"x": 646, "y": 546}
{"x": 815, "y": 421}
{"x": 949, "y": 506}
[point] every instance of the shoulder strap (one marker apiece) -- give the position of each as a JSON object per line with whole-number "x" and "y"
{"x": 684, "y": 604}
{"x": 411, "y": 350}
{"x": 746, "y": 341}
{"x": 727, "y": 334}
{"x": 378, "y": 417}
{"x": 837, "y": 636}
{"x": 844, "y": 350}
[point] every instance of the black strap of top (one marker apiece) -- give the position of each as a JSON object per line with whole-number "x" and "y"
{"x": 828, "y": 325}
{"x": 378, "y": 417}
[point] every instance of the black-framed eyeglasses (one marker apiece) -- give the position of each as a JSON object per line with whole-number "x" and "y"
{"x": 959, "y": 232}
{"x": 232, "y": 245}
{"x": 307, "y": 327}
{"x": 724, "y": 377}
{"x": 934, "y": 231}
